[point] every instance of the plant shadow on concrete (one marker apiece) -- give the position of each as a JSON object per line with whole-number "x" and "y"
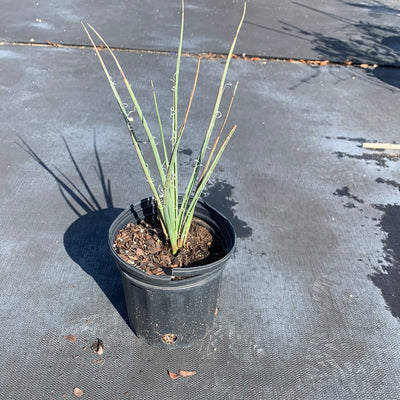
{"x": 219, "y": 195}
{"x": 355, "y": 41}
{"x": 387, "y": 278}
{"x": 365, "y": 42}
{"x": 86, "y": 239}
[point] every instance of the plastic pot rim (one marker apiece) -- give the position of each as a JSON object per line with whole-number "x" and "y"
{"x": 226, "y": 234}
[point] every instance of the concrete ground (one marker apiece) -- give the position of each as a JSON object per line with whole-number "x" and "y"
{"x": 310, "y": 302}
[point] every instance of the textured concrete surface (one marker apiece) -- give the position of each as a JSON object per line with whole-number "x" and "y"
{"x": 310, "y": 303}
{"x": 337, "y": 30}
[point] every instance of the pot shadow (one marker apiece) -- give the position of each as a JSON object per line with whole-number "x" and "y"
{"x": 86, "y": 239}
{"x": 387, "y": 277}
{"x": 86, "y": 242}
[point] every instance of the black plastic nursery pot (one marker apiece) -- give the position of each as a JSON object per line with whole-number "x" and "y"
{"x": 163, "y": 310}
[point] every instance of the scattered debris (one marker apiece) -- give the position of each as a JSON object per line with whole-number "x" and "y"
{"x": 181, "y": 373}
{"x": 315, "y": 62}
{"x": 51, "y": 43}
{"x": 78, "y": 392}
{"x": 185, "y": 374}
{"x": 381, "y": 146}
{"x": 216, "y": 312}
{"x": 173, "y": 375}
{"x": 98, "y": 347}
{"x": 97, "y": 362}
{"x": 70, "y": 338}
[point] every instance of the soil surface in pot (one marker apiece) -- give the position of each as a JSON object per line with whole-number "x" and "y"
{"x": 144, "y": 245}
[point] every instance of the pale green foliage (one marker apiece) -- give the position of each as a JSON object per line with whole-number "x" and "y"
{"x": 175, "y": 218}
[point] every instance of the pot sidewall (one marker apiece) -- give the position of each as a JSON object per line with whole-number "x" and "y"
{"x": 181, "y": 308}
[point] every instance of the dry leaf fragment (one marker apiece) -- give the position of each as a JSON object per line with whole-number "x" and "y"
{"x": 216, "y": 312}
{"x": 70, "y": 338}
{"x": 173, "y": 375}
{"x": 78, "y": 392}
{"x": 98, "y": 347}
{"x": 185, "y": 374}
{"x": 94, "y": 362}
{"x": 182, "y": 373}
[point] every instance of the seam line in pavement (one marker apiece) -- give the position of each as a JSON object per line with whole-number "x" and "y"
{"x": 210, "y": 55}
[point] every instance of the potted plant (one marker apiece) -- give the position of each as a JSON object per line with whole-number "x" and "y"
{"x": 171, "y": 248}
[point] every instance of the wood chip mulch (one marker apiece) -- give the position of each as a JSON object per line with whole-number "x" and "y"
{"x": 144, "y": 245}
